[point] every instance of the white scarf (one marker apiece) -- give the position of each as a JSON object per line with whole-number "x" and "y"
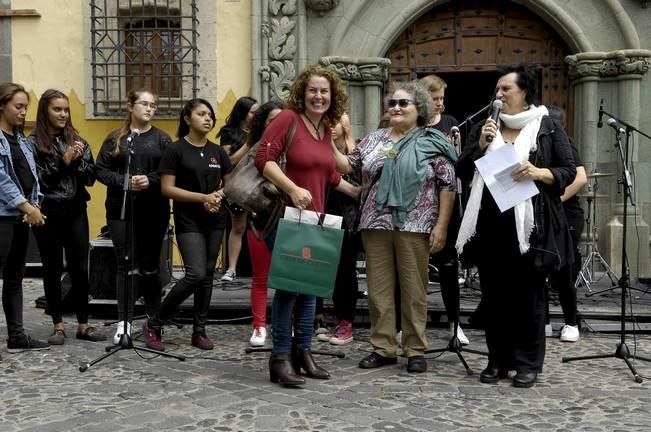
{"x": 528, "y": 122}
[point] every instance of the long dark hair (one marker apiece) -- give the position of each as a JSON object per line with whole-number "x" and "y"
{"x": 260, "y": 118}
{"x": 184, "y": 127}
{"x": 8, "y": 91}
{"x": 235, "y": 118}
{"x": 42, "y": 131}
{"x": 125, "y": 129}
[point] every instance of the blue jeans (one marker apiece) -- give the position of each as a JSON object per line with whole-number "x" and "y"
{"x": 285, "y": 306}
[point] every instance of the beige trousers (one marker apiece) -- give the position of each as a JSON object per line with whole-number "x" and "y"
{"x": 406, "y": 254}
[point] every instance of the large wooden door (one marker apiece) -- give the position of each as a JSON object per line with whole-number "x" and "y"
{"x": 464, "y": 41}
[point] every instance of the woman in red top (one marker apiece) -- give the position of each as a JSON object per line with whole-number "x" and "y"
{"x": 316, "y": 101}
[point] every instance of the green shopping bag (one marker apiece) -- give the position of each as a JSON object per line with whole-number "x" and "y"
{"x": 305, "y": 258}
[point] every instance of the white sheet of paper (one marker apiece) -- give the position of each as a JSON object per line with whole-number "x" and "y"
{"x": 312, "y": 217}
{"x": 496, "y": 168}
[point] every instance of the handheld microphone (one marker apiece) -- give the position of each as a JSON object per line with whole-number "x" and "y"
{"x": 134, "y": 133}
{"x": 454, "y": 131}
{"x": 495, "y": 114}
{"x": 600, "y": 123}
{"x": 613, "y": 124}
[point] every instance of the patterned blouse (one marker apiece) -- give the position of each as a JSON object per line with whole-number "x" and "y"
{"x": 369, "y": 158}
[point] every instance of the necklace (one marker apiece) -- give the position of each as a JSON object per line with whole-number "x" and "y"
{"x": 316, "y": 127}
{"x": 198, "y": 147}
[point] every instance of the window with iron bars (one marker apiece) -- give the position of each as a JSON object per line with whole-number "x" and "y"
{"x": 138, "y": 44}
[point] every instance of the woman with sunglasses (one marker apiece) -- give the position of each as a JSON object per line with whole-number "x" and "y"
{"x": 65, "y": 168}
{"x": 19, "y": 209}
{"x": 193, "y": 173}
{"x": 149, "y": 215}
{"x": 408, "y": 190}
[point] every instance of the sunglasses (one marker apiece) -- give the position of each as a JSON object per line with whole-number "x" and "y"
{"x": 402, "y": 103}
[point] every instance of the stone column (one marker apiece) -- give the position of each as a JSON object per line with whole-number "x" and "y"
{"x": 614, "y": 76}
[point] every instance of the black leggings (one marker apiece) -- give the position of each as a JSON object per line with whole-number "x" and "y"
{"x": 13, "y": 270}
{"x": 146, "y": 241}
{"x": 199, "y": 251}
{"x": 65, "y": 231}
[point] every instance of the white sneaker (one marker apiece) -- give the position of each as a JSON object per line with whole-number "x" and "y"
{"x": 570, "y": 333}
{"x": 463, "y": 339}
{"x": 399, "y": 338}
{"x": 228, "y": 276}
{"x": 259, "y": 337}
{"x": 119, "y": 331}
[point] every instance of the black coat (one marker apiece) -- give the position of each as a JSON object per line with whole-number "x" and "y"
{"x": 550, "y": 242}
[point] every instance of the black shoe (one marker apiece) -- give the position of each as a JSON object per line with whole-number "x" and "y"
{"x": 57, "y": 337}
{"x": 91, "y": 334}
{"x": 525, "y": 379}
{"x": 376, "y": 360}
{"x": 416, "y": 364}
{"x": 26, "y": 343}
{"x": 492, "y": 374}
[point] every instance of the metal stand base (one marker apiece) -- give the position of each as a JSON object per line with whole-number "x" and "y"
{"x": 621, "y": 352}
{"x": 126, "y": 343}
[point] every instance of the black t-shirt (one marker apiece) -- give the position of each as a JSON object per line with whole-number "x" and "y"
{"x": 572, "y": 206}
{"x": 198, "y": 170}
{"x": 445, "y": 124}
{"x": 148, "y": 148}
{"x": 21, "y": 166}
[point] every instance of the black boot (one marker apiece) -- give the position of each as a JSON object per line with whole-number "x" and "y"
{"x": 282, "y": 372}
{"x": 302, "y": 359}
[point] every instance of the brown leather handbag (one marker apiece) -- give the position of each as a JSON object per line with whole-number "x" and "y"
{"x": 251, "y": 190}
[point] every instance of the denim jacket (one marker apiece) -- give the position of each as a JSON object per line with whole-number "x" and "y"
{"x": 11, "y": 193}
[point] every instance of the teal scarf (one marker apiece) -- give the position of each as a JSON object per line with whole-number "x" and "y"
{"x": 405, "y": 170}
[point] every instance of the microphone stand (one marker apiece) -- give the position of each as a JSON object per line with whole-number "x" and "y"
{"x": 622, "y": 351}
{"x": 125, "y": 339}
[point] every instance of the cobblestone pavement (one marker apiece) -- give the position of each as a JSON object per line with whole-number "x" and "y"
{"x": 228, "y": 390}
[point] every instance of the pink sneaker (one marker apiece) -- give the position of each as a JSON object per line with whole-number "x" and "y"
{"x": 200, "y": 340}
{"x": 153, "y": 337}
{"x": 343, "y": 333}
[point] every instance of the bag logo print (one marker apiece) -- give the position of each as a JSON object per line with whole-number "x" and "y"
{"x": 306, "y": 253}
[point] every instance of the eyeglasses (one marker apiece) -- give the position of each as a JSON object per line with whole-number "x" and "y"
{"x": 402, "y": 103}
{"x": 146, "y": 104}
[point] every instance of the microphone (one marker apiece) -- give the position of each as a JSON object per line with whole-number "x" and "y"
{"x": 134, "y": 133}
{"x": 454, "y": 131}
{"x": 600, "y": 123}
{"x": 495, "y": 114}
{"x": 613, "y": 124}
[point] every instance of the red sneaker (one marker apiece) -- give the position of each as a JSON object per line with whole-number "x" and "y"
{"x": 200, "y": 340}
{"x": 153, "y": 337}
{"x": 343, "y": 333}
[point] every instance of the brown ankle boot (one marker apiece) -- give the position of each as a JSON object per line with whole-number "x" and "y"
{"x": 282, "y": 372}
{"x": 302, "y": 358}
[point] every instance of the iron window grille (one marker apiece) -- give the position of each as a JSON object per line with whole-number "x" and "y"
{"x": 143, "y": 44}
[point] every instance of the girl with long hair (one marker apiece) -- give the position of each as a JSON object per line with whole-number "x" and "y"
{"x": 193, "y": 172}
{"x": 258, "y": 250}
{"x": 19, "y": 209}
{"x": 65, "y": 168}
{"x": 233, "y": 136}
{"x": 147, "y": 210}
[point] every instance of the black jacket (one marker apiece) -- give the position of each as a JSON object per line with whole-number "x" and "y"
{"x": 551, "y": 241}
{"x": 61, "y": 184}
